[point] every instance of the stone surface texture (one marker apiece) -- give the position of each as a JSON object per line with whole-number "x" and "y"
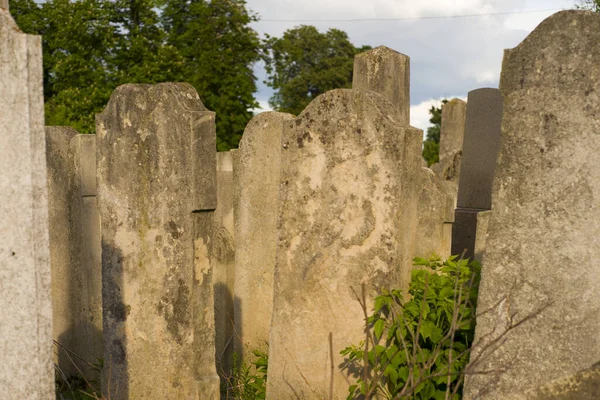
{"x": 543, "y": 241}
{"x": 451, "y": 141}
{"x": 387, "y": 72}
{"x": 584, "y": 385}
{"x": 157, "y": 192}
{"x": 223, "y": 258}
{"x": 346, "y": 215}
{"x": 480, "y": 148}
{"x": 75, "y": 248}
{"x": 257, "y": 186}
{"x": 26, "y": 369}
{"x": 435, "y": 213}
{"x": 478, "y": 163}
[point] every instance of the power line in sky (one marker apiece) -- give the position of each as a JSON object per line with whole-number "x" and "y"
{"x": 412, "y": 18}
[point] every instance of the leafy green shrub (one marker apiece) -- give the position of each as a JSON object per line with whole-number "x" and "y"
{"x": 418, "y": 348}
{"x": 248, "y": 382}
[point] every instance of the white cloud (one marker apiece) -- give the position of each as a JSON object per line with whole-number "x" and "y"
{"x": 448, "y": 56}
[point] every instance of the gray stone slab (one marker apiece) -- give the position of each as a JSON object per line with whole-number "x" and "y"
{"x": 387, "y": 72}
{"x": 480, "y": 148}
{"x": 224, "y": 263}
{"x": 543, "y": 238}
{"x": 478, "y": 162}
{"x": 74, "y": 249}
{"x": 257, "y": 186}
{"x": 156, "y": 178}
{"x": 26, "y": 369}
{"x": 347, "y": 165}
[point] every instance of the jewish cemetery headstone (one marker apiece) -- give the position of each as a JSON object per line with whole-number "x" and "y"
{"x": 224, "y": 262}
{"x": 75, "y": 249}
{"x": 26, "y": 370}
{"x": 345, "y": 163}
{"x": 452, "y": 133}
{"x": 541, "y": 259}
{"x": 257, "y": 186}
{"x": 479, "y": 152}
{"x": 157, "y": 193}
{"x": 387, "y": 72}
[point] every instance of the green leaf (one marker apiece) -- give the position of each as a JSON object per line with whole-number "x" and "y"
{"x": 378, "y": 328}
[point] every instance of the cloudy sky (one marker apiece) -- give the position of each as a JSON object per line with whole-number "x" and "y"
{"x": 449, "y": 56}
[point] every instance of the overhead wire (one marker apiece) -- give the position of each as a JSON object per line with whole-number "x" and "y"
{"x": 411, "y": 18}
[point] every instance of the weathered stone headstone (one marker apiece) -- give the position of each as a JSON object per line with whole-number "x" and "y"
{"x": 26, "y": 370}
{"x": 257, "y": 185}
{"x": 543, "y": 243}
{"x": 223, "y": 256}
{"x": 452, "y": 133}
{"x": 347, "y": 164}
{"x": 75, "y": 250}
{"x": 479, "y": 152}
{"x": 157, "y": 192}
{"x": 435, "y": 212}
{"x": 385, "y": 71}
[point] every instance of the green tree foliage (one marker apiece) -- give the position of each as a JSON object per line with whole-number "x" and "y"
{"x": 77, "y": 38}
{"x": 592, "y": 5}
{"x": 418, "y": 347}
{"x": 219, "y": 49}
{"x": 141, "y": 54}
{"x": 305, "y": 63}
{"x": 431, "y": 146}
{"x": 92, "y": 46}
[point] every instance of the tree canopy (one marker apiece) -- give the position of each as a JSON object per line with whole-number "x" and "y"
{"x": 592, "y": 5}
{"x": 92, "y": 46}
{"x": 431, "y": 145}
{"x": 304, "y": 63}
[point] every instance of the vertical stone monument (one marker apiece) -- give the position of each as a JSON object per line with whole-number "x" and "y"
{"x": 223, "y": 257}
{"x": 157, "y": 193}
{"x": 75, "y": 248}
{"x": 479, "y": 153}
{"x": 347, "y": 164}
{"x": 257, "y": 187}
{"x": 543, "y": 244}
{"x": 26, "y": 370}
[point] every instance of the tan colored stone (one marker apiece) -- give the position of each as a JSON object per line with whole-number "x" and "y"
{"x": 483, "y": 222}
{"x": 157, "y": 192}
{"x": 224, "y": 262}
{"x": 452, "y": 132}
{"x": 26, "y": 370}
{"x": 435, "y": 211}
{"x": 257, "y": 184}
{"x": 543, "y": 241}
{"x": 387, "y": 72}
{"x": 347, "y": 165}
{"x": 75, "y": 250}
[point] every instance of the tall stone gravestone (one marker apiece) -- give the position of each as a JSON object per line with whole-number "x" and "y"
{"x": 157, "y": 193}
{"x": 452, "y": 133}
{"x": 26, "y": 370}
{"x": 479, "y": 152}
{"x": 387, "y": 72}
{"x": 223, "y": 257}
{"x": 257, "y": 184}
{"x": 75, "y": 249}
{"x": 543, "y": 244}
{"x": 344, "y": 161}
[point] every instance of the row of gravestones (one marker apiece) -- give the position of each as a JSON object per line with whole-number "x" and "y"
{"x": 279, "y": 235}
